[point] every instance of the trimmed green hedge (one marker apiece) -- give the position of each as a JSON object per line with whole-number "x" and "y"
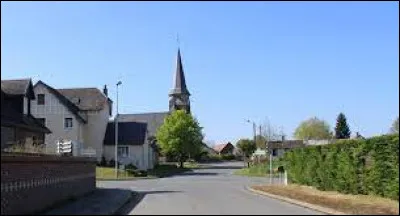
{"x": 368, "y": 166}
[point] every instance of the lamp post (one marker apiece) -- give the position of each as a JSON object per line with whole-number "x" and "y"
{"x": 116, "y": 135}
{"x": 254, "y": 129}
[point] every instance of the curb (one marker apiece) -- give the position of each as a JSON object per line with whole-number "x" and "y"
{"x": 299, "y": 203}
{"x": 121, "y": 207}
{"x": 127, "y": 179}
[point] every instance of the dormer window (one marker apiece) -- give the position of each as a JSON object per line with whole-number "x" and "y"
{"x": 40, "y": 99}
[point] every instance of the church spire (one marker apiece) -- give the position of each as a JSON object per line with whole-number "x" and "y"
{"x": 179, "y": 81}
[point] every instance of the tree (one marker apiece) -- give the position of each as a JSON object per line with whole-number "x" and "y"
{"x": 313, "y": 128}
{"x": 180, "y": 136}
{"x": 247, "y": 147}
{"x": 342, "y": 130}
{"x": 268, "y": 133}
{"x": 260, "y": 141}
{"x": 395, "y": 127}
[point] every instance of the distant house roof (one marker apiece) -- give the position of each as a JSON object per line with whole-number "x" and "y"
{"x": 286, "y": 144}
{"x": 129, "y": 133}
{"x": 221, "y": 147}
{"x": 153, "y": 120}
{"x": 208, "y": 149}
{"x": 18, "y": 87}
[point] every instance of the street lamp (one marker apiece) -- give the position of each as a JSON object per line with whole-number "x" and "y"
{"x": 116, "y": 135}
{"x": 254, "y": 129}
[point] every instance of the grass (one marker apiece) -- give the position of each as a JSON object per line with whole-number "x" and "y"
{"x": 108, "y": 173}
{"x": 161, "y": 170}
{"x": 349, "y": 204}
{"x": 259, "y": 170}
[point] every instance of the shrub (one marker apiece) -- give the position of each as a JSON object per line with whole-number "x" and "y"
{"x": 228, "y": 157}
{"x": 103, "y": 162}
{"x": 349, "y": 166}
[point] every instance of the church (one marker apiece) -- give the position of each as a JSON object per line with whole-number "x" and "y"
{"x": 136, "y": 132}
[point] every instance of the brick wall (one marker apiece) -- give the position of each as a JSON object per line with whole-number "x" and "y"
{"x": 32, "y": 182}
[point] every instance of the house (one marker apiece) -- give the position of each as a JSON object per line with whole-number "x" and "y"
{"x": 133, "y": 145}
{"x": 18, "y": 125}
{"x": 144, "y": 151}
{"x": 80, "y": 115}
{"x": 224, "y": 149}
{"x": 279, "y": 147}
{"x": 208, "y": 149}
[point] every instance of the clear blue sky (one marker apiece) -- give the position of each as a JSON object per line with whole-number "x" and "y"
{"x": 286, "y": 61}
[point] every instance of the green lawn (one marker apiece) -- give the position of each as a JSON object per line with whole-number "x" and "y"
{"x": 259, "y": 170}
{"x": 108, "y": 173}
{"x": 161, "y": 170}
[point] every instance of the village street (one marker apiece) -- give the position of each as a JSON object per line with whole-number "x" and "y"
{"x": 211, "y": 190}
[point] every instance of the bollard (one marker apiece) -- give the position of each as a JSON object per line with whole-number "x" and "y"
{"x": 285, "y": 177}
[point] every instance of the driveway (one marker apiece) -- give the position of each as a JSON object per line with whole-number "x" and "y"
{"x": 211, "y": 190}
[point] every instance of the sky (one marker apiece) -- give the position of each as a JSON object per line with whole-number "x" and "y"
{"x": 281, "y": 62}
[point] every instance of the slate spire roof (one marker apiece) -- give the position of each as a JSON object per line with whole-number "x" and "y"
{"x": 179, "y": 81}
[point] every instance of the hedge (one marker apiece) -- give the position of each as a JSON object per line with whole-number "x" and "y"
{"x": 369, "y": 166}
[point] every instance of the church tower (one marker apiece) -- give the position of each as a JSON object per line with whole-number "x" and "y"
{"x": 179, "y": 95}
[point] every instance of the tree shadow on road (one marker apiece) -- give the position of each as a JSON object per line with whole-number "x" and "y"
{"x": 220, "y": 167}
{"x": 191, "y": 173}
{"x": 138, "y": 196}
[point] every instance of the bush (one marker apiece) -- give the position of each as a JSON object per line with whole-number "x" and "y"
{"x": 228, "y": 157}
{"x": 131, "y": 169}
{"x": 349, "y": 166}
{"x": 103, "y": 162}
{"x": 111, "y": 163}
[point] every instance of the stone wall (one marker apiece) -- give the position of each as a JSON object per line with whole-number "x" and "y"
{"x": 31, "y": 183}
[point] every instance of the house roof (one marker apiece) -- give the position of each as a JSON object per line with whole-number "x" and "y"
{"x": 286, "y": 144}
{"x": 86, "y": 99}
{"x": 64, "y": 100}
{"x": 129, "y": 133}
{"x": 179, "y": 81}
{"x": 153, "y": 120}
{"x": 11, "y": 118}
{"x": 18, "y": 87}
{"x": 220, "y": 147}
{"x": 208, "y": 148}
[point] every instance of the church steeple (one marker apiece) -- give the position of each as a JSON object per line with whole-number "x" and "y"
{"x": 179, "y": 81}
{"x": 179, "y": 95}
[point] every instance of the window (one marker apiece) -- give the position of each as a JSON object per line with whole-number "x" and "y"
{"x": 123, "y": 151}
{"x": 68, "y": 123}
{"x": 40, "y": 99}
{"x": 274, "y": 152}
{"x": 42, "y": 121}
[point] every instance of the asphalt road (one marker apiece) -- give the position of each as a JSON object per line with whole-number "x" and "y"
{"x": 211, "y": 190}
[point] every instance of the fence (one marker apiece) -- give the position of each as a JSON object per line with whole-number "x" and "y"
{"x": 33, "y": 182}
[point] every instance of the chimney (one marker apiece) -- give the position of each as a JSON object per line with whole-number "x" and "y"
{"x": 105, "y": 90}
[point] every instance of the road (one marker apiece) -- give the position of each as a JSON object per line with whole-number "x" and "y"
{"x": 213, "y": 190}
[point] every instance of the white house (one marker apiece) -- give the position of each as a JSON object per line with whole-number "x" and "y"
{"x": 76, "y": 114}
{"x": 134, "y": 144}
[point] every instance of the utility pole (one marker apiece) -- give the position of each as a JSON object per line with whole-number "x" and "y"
{"x": 254, "y": 130}
{"x": 116, "y": 136}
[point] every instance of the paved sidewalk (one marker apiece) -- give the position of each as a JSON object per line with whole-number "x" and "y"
{"x": 101, "y": 202}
